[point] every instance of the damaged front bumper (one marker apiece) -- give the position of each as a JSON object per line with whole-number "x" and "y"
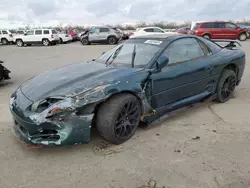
{"x": 64, "y": 131}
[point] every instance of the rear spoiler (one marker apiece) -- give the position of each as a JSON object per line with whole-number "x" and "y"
{"x": 231, "y": 43}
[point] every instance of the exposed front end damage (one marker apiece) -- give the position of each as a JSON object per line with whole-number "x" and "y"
{"x": 51, "y": 122}
{"x": 67, "y": 120}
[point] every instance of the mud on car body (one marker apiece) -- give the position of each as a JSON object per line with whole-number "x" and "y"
{"x": 141, "y": 79}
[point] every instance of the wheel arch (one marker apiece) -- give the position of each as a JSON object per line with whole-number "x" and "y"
{"x": 111, "y": 36}
{"x": 232, "y": 67}
{"x": 116, "y": 94}
{"x": 206, "y": 34}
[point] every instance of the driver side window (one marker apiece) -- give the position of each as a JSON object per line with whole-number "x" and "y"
{"x": 31, "y": 32}
{"x": 182, "y": 50}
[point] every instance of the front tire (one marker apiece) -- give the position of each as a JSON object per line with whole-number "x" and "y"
{"x": 118, "y": 118}
{"x": 242, "y": 37}
{"x": 85, "y": 41}
{"x": 60, "y": 41}
{"x": 226, "y": 86}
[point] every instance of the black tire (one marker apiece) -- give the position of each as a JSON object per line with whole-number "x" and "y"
{"x": 112, "y": 40}
{"x": 226, "y": 86}
{"x": 19, "y": 42}
{"x": 242, "y": 37}
{"x": 4, "y": 41}
{"x": 112, "y": 111}
{"x": 60, "y": 41}
{"x": 206, "y": 36}
{"x": 46, "y": 42}
{"x": 85, "y": 41}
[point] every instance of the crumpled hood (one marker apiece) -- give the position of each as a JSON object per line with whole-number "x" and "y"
{"x": 72, "y": 79}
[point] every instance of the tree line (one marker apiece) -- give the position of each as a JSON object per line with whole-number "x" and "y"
{"x": 164, "y": 25}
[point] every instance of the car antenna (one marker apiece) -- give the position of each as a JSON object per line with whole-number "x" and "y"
{"x": 133, "y": 57}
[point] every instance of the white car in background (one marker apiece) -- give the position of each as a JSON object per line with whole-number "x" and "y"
{"x": 6, "y": 37}
{"x": 37, "y": 36}
{"x": 64, "y": 37}
{"x": 148, "y": 31}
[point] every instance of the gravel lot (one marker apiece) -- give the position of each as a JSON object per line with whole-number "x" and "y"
{"x": 166, "y": 153}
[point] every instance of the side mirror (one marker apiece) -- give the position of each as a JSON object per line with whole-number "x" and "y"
{"x": 103, "y": 53}
{"x": 161, "y": 62}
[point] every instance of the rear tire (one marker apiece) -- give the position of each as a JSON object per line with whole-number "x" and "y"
{"x": 207, "y": 36}
{"x": 226, "y": 86}
{"x": 112, "y": 40}
{"x": 45, "y": 42}
{"x": 118, "y": 118}
{"x": 19, "y": 42}
{"x": 4, "y": 41}
{"x": 242, "y": 37}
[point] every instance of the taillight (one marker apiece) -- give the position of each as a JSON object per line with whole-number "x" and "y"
{"x": 10, "y": 35}
{"x": 52, "y": 36}
{"x": 132, "y": 33}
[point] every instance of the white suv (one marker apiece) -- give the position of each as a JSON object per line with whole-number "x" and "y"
{"x": 6, "y": 37}
{"x": 37, "y": 36}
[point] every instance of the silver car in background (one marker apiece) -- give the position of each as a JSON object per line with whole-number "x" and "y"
{"x": 100, "y": 34}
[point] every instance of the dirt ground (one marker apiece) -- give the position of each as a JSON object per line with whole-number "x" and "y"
{"x": 204, "y": 147}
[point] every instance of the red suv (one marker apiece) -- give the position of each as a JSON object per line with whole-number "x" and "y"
{"x": 219, "y": 30}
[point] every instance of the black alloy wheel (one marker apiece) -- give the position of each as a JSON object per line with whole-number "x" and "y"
{"x": 226, "y": 86}
{"x": 118, "y": 118}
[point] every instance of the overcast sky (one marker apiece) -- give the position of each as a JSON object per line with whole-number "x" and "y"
{"x": 119, "y": 11}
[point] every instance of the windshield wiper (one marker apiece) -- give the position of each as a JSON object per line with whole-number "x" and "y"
{"x": 133, "y": 57}
{"x": 114, "y": 55}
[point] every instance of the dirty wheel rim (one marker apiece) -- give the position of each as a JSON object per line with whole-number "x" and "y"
{"x": 112, "y": 40}
{"x": 19, "y": 43}
{"x": 127, "y": 120}
{"x": 228, "y": 87}
{"x": 84, "y": 41}
{"x": 243, "y": 37}
{"x": 45, "y": 42}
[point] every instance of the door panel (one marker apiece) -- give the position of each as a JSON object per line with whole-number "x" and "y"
{"x": 94, "y": 34}
{"x": 179, "y": 80}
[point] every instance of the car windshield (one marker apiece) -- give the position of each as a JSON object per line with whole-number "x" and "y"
{"x": 143, "y": 51}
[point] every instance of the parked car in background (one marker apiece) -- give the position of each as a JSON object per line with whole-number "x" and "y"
{"x": 147, "y": 31}
{"x": 64, "y": 37}
{"x": 38, "y": 36}
{"x": 4, "y": 72}
{"x": 6, "y": 37}
{"x": 20, "y": 32}
{"x": 124, "y": 35}
{"x": 100, "y": 34}
{"x": 73, "y": 34}
{"x": 183, "y": 30}
{"x": 219, "y": 30}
